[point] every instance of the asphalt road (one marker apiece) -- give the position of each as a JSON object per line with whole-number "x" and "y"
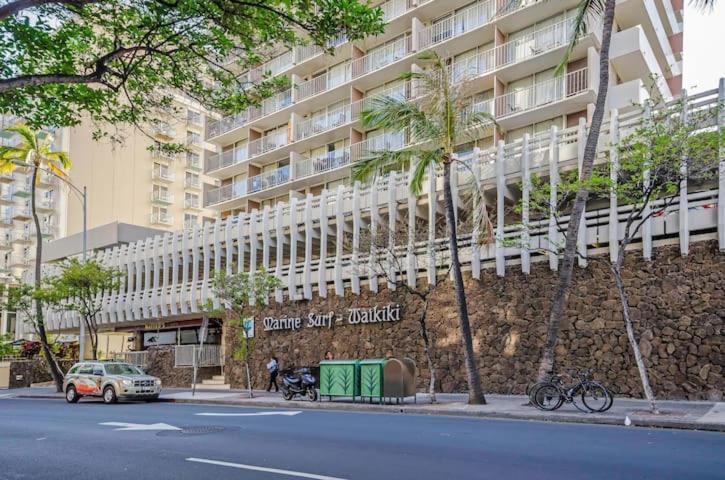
{"x": 50, "y": 439}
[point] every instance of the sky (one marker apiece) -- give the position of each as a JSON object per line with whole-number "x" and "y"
{"x": 704, "y": 54}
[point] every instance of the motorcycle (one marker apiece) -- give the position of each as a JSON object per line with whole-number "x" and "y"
{"x": 298, "y": 382}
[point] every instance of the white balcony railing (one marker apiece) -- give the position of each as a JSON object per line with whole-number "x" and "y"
{"x": 192, "y": 182}
{"x": 322, "y": 163}
{"x": 379, "y": 58}
{"x": 461, "y": 22}
{"x": 326, "y": 121}
{"x": 226, "y": 124}
{"x": 474, "y": 66}
{"x": 161, "y": 218}
{"x": 267, "y": 144}
{"x": 162, "y": 196}
{"x": 540, "y": 41}
{"x": 324, "y": 82}
{"x": 191, "y": 203}
{"x": 269, "y": 179}
{"x": 270, "y": 105}
{"x": 226, "y": 159}
{"x": 543, "y": 93}
{"x": 165, "y": 175}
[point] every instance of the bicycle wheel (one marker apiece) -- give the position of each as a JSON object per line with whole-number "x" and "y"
{"x": 547, "y": 397}
{"x": 596, "y": 398}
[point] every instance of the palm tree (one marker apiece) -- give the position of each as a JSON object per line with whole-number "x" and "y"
{"x": 587, "y": 10}
{"x": 441, "y": 116}
{"x": 35, "y": 151}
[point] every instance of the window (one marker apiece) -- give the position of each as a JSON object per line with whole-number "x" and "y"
{"x": 192, "y": 116}
{"x": 74, "y": 370}
{"x": 86, "y": 369}
{"x": 121, "y": 369}
{"x": 190, "y": 220}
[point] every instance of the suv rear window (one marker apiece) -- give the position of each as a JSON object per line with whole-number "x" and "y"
{"x": 121, "y": 369}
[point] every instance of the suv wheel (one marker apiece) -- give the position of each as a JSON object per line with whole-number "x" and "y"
{"x": 71, "y": 395}
{"x": 109, "y": 395}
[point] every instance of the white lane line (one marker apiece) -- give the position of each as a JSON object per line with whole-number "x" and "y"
{"x": 7, "y": 395}
{"x": 255, "y": 468}
{"x": 255, "y": 414}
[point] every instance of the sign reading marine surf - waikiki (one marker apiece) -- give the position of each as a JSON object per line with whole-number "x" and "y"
{"x": 351, "y": 316}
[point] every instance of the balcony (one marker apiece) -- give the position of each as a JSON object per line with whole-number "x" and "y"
{"x": 157, "y": 154}
{"x": 226, "y": 159}
{"x": 19, "y": 260}
{"x": 161, "y": 196}
{"x": 22, "y": 190}
{"x": 6, "y": 220}
{"x": 192, "y": 203}
{"x": 382, "y": 57}
{"x": 162, "y": 175}
{"x": 7, "y": 177}
{"x": 307, "y": 167}
{"x": 269, "y": 179}
{"x": 226, "y": 124}
{"x": 267, "y": 107}
{"x": 22, "y": 214}
{"x": 193, "y": 140}
{"x": 161, "y": 218}
{"x": 47, "y": 229}
{"x": 326, "y": 81}
{"x": 163, "y": 130}
{"x": 267, "y": 144}
{"x": 45, "y": 205}
{"x": 469, "y": 68}
{"x": 327, "y": 121}
{"x": 225, "y": 193}
{"x": 542, "y": 94}
{"x": 47, "y": 179}
{"x": 456, "y": 25}
{"x": 194, "y": 165}
{"x": 21, "y": 237}
{"x": 192, "y": 182}
{"x": 7, "y": 199}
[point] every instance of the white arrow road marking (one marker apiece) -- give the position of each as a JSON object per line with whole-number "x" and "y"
{"x": 255, "y": 414}
{"x": 140, "y": 426}
{"x": 255, "y": 468}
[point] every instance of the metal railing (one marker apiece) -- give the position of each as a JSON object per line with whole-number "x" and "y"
{"x": 267, "y": 143}
{"x": 190, "y": 355}
{"x": 325, "y": 121}
{"x": 324, "y": 82}
{"x": 226, "y": 159}
{"x": 474, "y": 66}
{"x": 379, "y": 58}
{"x": 140, "y": 359}
{"x": 162, "y": 196}
{"x": 158, "y": 174}
{"x": 161, "y": 218}
{"x": 322, "y": 163}
{"x": 461, "y": 22}
{"x": 548, "y": 38}
{"x": 542, "y": 93}
{"x": 269, "y": 179}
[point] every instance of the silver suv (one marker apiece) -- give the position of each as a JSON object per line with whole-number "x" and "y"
{"x": 111, "y": 381}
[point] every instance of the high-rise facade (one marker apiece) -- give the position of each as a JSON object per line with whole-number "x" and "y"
{"x": 17, "y": 229}
{"x": 130, "y": 182}
{"x": 304, "y": 139}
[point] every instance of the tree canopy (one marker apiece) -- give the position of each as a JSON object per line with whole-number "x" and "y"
{"x": 123, "y": 61}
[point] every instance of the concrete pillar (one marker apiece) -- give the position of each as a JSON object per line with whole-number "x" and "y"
{"x": 553, "y": 181}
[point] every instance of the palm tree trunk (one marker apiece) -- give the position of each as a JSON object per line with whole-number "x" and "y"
{"x": 624, "y": 300}
{"x": 590, "y": 150}
{"x": 475, "y": 391}
{"x": 55, "y": 371}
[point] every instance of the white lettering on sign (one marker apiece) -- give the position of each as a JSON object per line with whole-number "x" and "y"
{"x": 320, "y": 320}
{"x": 355, "y": 316}
{"x": 285, "y": 323}
{"x": 389, "y": 313}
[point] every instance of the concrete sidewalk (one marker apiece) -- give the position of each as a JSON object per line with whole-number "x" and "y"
{"x": 674, "y": 413}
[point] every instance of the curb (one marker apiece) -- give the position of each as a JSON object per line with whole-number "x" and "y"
{"x": 416, "y": 410}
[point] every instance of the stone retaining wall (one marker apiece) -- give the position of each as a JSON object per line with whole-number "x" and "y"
{"x": 678, "y": 305}
{"x": 161, "y": 364}
{"x": 23, "y": 373}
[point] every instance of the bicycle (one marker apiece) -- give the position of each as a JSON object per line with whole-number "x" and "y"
{"x": 551, "y": 394}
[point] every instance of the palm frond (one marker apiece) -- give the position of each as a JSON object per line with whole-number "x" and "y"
{"x": 29, "y": 136}
{"x": 60, "y": 158}
{"x": 704, "y": 5}
{"x": 9, "y": 156}
{"x": 382, "y": 162}
{"x": 585, "y": 10}
{"x": 424, "y": 161}
{"x": 391, "y": 113}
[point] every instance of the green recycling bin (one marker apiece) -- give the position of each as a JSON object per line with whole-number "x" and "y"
{"x": 340, "y": 378}
{"x": 371, "y": 378}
